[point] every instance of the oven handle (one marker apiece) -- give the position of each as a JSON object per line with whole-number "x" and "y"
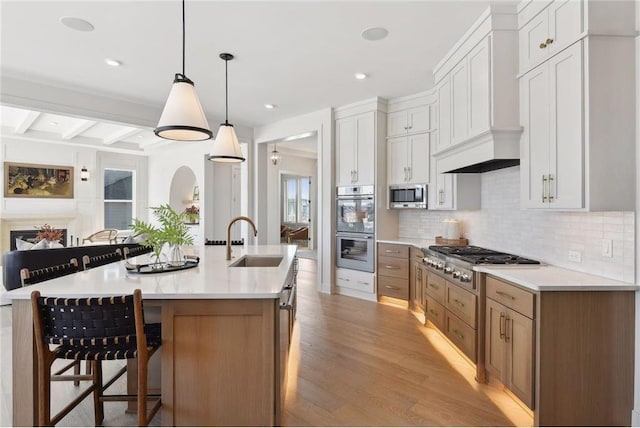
{"x": 353, "y": 235}
{"x": 354, "y": 198}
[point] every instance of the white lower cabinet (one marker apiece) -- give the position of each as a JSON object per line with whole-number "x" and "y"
{"x": 355, "y": 280}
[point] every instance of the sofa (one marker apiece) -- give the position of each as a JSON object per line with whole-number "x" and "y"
{"x": 14, "y": 261}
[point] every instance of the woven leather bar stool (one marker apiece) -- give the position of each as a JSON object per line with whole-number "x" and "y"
{"x": 29, "y": 277}
{"x": 93, "y": 329}
{"x": 135, "y": 251}
{"x": 102, "y": 259}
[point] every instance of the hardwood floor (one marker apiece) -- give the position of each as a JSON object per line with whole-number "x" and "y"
{"x": 353, "y": 363}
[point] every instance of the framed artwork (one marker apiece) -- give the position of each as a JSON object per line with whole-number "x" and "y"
{"x": 24, "y": 180}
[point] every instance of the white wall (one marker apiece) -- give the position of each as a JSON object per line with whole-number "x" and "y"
{"x": 546, "y": 236}
{"x": 83, "y": 214}
{"x": 293, "y": 165}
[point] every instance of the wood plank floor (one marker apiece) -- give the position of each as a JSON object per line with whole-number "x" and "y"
{"x": 353, "y": 363}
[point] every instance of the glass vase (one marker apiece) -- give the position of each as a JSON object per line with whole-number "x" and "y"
{"x": 176, "y": 256}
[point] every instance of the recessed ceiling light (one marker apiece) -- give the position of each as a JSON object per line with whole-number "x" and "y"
{"x": 360, "y": 76}
{"x": 53, "y": 122}
{"x": 112, "y": 62}
{"x": 269, "y": 106}
{"x": 375, "y": 33}
{"x": 76, "y": 23}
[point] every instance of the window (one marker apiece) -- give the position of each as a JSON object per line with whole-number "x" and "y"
{"x": 296, "y": 200}
{"x": 118, "y": 198}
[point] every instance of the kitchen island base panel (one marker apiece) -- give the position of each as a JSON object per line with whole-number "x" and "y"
{"x": 25, "y": 378}
{"x": 229, "y": 343}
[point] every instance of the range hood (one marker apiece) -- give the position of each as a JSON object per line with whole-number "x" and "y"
{"x": 491, "y": 150}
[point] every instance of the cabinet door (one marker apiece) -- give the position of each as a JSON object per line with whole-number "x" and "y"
{"x": 495, "y": 349}
{"x": 418, "y": 119}
{"x": 397, "y": 155}
{"x": 566, "y": 150}
{"x": 418, "y": 158}
{"x": 397, "y": 123}
{"x": 479, "y": 88}
{"x": 444, "y": 192}
{"x": 459, "y": 103}
{"x": 365, "y": 148}
{"x": 444, "y": 114}
{"x": 345, "y": 150}
{"x": 519, "y": 336}
{"x": 425, "y": 281}
{"x": 534, "y": 147}
{"x": 413, "y": 283}
{"x": 565, "y": 24}
{"x": 531, "y": 40}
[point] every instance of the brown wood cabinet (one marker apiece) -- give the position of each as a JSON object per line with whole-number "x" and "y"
{"x": 417, "y": 276}
{"x": 392, "y": 271}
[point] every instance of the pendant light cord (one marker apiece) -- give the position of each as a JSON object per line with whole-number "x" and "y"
{"x": 226, "y": 92}
{"x": 183, "y": 37}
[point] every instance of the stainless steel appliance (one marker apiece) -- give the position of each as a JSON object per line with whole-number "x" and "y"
{"x": 408, "y": 196}
{"x": 355, "y": 222}
{"x": 456, "y": 263}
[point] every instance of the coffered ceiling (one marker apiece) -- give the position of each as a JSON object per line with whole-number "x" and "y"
{"x": 299, "y": 55}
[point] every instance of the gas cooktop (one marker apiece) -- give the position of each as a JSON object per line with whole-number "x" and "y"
{"x": 478, "y": 255}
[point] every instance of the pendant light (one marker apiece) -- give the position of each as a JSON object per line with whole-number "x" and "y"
{"x": 275, "y": 155}
{"x": 183, "y": 118}
{"x": 225, "y": 146}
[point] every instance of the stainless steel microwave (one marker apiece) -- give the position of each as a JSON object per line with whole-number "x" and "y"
{"x": 408, "y": 196}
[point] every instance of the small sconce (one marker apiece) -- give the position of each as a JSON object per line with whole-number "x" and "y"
{"x": 84, "y": 174}
{"x": 275, "y": 155}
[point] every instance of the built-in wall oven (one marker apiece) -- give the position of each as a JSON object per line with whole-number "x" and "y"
{"x": 355, "y": 220}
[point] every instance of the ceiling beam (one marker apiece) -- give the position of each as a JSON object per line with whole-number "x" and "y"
{"x": 78, "y": 129}
{"x": 27, "y": 121}
{"x": 120, "y": 135}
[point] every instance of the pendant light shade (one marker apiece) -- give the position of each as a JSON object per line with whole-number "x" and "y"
{"x": 183, "y": 118}
{"x": 275, "y": 155}
{"x": 225, "y": 146}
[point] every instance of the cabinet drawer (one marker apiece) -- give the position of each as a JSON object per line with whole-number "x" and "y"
{"x": 463, "y": 336}
{"x": 416, "y": 255}
{"x": 393, "y": 287}
{"x": 512, "y": 297}
{"x": 391, "y": 266}
{"x": 462, "y": 303}
{"x": 355, "y": 280}
{"x": 436, "y": 287}
{"x": 435, "y": 313}
{"x": 393, "y": 250}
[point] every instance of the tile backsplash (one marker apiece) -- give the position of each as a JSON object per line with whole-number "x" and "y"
{"x": 547, "y": 236}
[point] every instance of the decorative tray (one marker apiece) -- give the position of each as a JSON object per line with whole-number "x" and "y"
{"x": 188, "y": 263}
{"x": 452, "y": 242}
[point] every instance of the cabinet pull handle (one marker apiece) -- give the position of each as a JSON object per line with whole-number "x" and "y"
{"x": 440, "y": 196}
{"x": 363, "y": 282}
{"x": 434, "y": 286}
{"x": 391, "y": 267}
{"x": 544, "y": 187}
{"x": 543, "y": 45}
{"x": 549, "y": 41}
{"x": 457, "y": 333}
{"x": 458, "y": 302}
{"x": 390, "y": 287}
{"x": 409, "y": 170}
{"x": 392, "y": 251}
{"x": 502, "y": 325}
{"x": 506, "y": 328}
{"x": 433, "y": 312}
{"x": 503, "y": 294}
{"x": 345, "y": 279}
{"x": 550, "y": 187}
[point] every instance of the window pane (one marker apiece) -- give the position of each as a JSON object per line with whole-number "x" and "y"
{"x": 118, "y": 184}
{"x": 303, "y": 215}
{"x": 118, "y": 215}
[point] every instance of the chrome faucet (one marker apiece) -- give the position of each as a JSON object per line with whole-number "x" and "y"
{"x": 233, "y": 220}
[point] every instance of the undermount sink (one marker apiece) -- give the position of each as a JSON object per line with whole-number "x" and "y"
{"x": 257, "y": 261}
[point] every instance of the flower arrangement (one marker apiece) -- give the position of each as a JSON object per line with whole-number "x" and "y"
{"x": 192, "y": 213}
{"x": 48, "y": 233}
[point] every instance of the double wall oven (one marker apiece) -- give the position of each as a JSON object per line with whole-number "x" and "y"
{"x": 355, "y": 219}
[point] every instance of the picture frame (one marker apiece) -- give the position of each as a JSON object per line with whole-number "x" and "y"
{"x": 26, "y": 180}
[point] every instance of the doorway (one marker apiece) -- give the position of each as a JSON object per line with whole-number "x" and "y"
{"x": 295, "y": 210}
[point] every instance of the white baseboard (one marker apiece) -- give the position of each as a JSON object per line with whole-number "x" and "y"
{"x": 355, "y": 293}
{"x": 635, "y": 418}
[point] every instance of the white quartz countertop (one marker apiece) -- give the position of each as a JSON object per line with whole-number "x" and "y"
{"x": 553, "y": 278}
{"x": 416, "y": 242}
{"x": 213, "y": 278}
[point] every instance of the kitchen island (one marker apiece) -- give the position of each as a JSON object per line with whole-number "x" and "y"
{"x": 225, "y": 333}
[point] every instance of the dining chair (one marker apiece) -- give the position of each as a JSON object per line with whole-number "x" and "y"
{"x": 93, "y": 329}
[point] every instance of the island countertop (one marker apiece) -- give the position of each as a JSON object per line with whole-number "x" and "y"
{"x": 213, "y": 278}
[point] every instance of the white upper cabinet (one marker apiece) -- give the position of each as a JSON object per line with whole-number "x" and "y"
{"x": 355, "y": 148}
{"x": 408, "y": 159}
{"x": 577, "y": 110}
{"x": 410, "y": 121}
{"x": 477, "y": 93}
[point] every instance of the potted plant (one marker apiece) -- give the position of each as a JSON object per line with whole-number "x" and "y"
{"x": 192, "y": 213}
{"x": 172, "y": 231}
